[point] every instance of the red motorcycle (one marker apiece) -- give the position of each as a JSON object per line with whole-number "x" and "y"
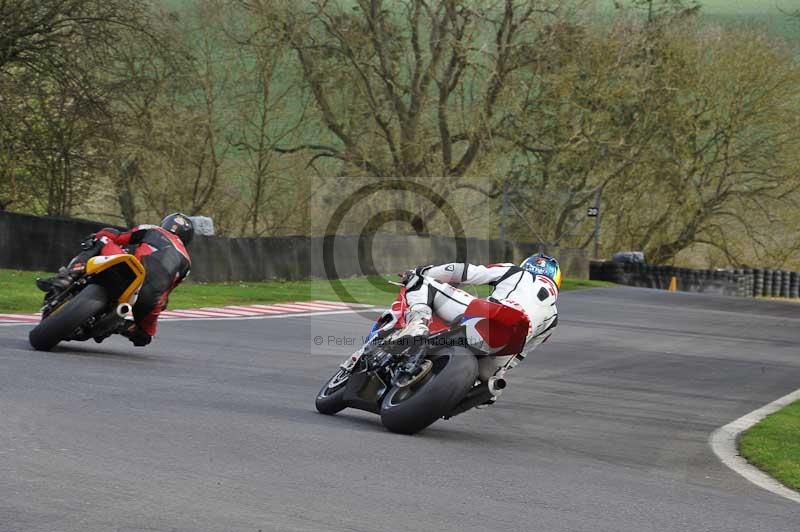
{"x": 412, "y": 386}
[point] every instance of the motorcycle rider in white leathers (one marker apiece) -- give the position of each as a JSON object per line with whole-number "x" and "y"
{"x": 531, "y": 287}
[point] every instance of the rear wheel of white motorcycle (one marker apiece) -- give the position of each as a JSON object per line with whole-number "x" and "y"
{"x": 410, "y": 409}
{"x": 68, "y": 317}
{"x": 330, "y": 399}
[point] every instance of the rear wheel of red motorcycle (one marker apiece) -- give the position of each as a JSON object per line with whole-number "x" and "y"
{"x": 68, "y": 317}
{"x": 330, "y": 399}
{"x": 410, "y": 409}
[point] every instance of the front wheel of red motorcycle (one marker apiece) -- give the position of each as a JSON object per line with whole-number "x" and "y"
{"x": 410, "y": 409}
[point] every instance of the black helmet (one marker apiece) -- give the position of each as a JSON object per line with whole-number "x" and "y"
{"x": 180, "y": 225}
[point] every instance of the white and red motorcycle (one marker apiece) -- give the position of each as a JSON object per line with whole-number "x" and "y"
{"x": 412, "y": 386}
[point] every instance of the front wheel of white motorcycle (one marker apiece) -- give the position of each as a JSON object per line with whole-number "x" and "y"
{"x": 330, "y": 399}
{"x": 409, "y": 409}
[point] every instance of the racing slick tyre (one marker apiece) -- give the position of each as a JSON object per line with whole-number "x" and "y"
{"x": 63, "y": 321}
{"x": 410, "y": 409}
{"x": 330, "y": 399}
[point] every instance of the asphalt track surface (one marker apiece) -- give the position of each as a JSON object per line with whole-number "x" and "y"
{"x": 213, "y": 428}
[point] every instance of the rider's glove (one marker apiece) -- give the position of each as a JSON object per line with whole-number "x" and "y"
{"x": 89, "y": 242}
{"x": 413, "y": 279}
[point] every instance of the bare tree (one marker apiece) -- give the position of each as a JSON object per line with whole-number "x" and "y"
{"x": 270, "y": 110}
{"x": 33, "y": 32}
{"x": 409, "y": 88}
{"x": 726, "y": 171}
{"x": 53, "y": 98}
{"x": 141, "y": 74}
{"x": 55, "y": 125}
{"x": 584, "y": 123}
{"x": 169, "y": 141}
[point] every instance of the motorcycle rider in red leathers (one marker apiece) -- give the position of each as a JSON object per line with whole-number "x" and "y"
{"x": 531, "y": 287}
{"x": 162, "y": 252}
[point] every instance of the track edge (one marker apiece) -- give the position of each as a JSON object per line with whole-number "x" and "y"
{"x": 723, "y": 442}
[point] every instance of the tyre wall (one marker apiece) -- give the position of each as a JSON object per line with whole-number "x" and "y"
{"x": 744, "y": 282}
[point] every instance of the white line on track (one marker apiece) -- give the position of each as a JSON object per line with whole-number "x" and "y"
{"x": 723, "y": 443}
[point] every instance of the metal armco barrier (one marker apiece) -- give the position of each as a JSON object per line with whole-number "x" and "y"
{"x": 741, "y": 282}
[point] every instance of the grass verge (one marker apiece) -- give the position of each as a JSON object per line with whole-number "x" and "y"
{"x": 779, "y": 299}
{"x": 19, "y": 294}
{"x": 773, "y": 445}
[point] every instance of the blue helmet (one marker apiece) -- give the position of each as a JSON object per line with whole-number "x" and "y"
{"x": 541, "y": 264}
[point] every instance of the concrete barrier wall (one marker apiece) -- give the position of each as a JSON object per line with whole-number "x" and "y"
{"x": 37, "y": 243}
{"x": 250, "y": 259}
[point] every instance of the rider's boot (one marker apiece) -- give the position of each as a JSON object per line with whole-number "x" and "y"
{"x": 72, "y": 271}
{"x": 416, "y": 331}
{"x": 134, "y": 333}
{"x": 413, "y": 339}
{"x": 56, "y": 284}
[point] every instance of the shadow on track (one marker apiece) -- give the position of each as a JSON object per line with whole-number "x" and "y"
{"x": 441, "y": 430}
{"x": 79, "y": 351}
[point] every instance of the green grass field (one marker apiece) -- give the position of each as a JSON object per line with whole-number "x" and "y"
{"x": 771, "y": 14}
{"x": 747, "y": 7}
{"x": 739, "y": 8}
{"x": 781, "y": 300}
{"x": 774, "y": 445}
{"x": 19, "y": 294}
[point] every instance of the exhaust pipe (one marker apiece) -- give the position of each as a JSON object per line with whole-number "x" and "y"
{"x": 110, "y": 323}
{"x": 496, "y": 386}
{"x": 479, "y": 395}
